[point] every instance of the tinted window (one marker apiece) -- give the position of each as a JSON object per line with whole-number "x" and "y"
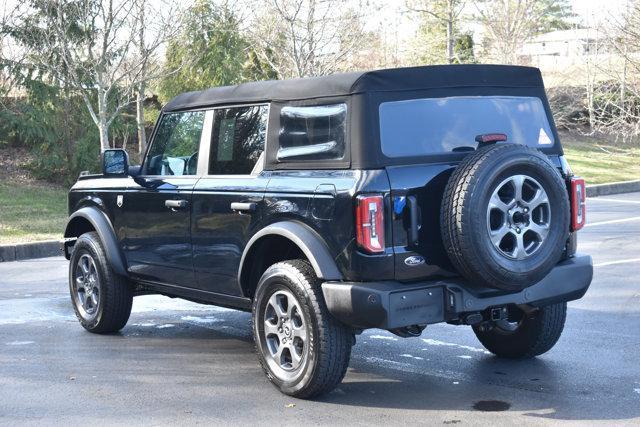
{"x": 238, "y": 139}
{"x": 314, "y": 133}
{"x": 174, "y": 150}
{"x": 441, "y": 125}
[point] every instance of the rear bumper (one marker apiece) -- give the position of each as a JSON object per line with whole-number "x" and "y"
{"x": 389, "y": 305}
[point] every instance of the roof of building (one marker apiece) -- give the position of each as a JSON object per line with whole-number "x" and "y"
{"x": 389, "y": 80}
{"x": 569, "y": 35}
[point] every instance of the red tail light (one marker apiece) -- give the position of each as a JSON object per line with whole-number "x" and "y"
{"x": 578, "y": 203}
{"x": 370, "y": 223}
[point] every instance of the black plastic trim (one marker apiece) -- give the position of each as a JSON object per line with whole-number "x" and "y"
{"x": 388, "y": 305}
{"x": 197, "y": 295}
{"x": 309, "y": 242}
{"x": 105, "y": 231}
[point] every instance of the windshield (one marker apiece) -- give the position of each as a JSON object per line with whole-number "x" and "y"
{"x": 419, "y": 127}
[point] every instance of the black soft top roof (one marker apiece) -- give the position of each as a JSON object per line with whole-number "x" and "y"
{"x": 392, "y": 80}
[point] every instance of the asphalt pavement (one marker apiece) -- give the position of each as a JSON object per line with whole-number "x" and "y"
{"x": 181, "y": 363}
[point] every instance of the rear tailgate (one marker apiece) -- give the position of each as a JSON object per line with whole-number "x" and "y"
{"x": 427, "y": 138}
{"x": 423, "y": 185}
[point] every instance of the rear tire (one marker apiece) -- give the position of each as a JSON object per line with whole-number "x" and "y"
{"x": 532, "y": 335}
{"x": 101, "y": 299}
{"x": 302, "y": 349}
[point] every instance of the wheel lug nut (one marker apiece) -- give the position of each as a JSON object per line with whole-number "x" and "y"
{"x": 518, "y": 230}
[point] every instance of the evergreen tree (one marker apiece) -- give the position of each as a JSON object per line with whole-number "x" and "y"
{"x": 439, "y": 39}
{"x": 463, "y": 49}
{"x": 209, "y": 51}
{"x": 556, "y": 15}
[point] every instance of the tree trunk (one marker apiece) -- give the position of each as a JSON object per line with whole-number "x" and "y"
{"x": 103, "y": 125}
{"x": 142, "y": 135}
{"x": 623, "y": 83}
{"x": 450, "y": 53}
{"x": 104, "y": 136}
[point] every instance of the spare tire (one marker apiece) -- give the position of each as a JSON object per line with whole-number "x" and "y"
{"x": 505, "y": 217}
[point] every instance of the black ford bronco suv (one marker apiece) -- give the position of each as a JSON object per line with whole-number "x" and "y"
{"x": 389, "y": 199}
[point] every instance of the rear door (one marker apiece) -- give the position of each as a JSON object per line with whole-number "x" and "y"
{"x": 156, "y": 209}
{"x": 228, "y": 200}
{"x": 428, "y": 137}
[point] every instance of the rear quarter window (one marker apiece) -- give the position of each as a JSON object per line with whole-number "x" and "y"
{"x": 312, "y": 132}
{"x": 429, "y": 126}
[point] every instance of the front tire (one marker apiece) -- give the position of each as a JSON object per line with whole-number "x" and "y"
{"x": 101, "y": 299}
{"x": 524, "y": 335}
{"x": 302, "y": 349}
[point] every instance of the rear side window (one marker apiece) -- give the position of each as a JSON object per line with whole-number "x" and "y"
{"x": 238, "y": 140}
{"x": 419, "y": 127}
{"x": 312, "y": 132}
{"x": 174, "y": 150}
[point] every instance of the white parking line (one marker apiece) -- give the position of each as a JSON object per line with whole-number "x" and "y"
{"x": 598, "y": 199}
{"x": 622, "y": 261}
{"x": 613, "y": 221}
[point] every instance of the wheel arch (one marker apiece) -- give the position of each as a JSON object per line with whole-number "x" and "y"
{"x": 92, "y": 219}
{"x": 292, "y": 240}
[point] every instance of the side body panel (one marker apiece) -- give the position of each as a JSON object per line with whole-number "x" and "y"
{"x": 219, "y": 233}
{"x": 157, "y": 242}
{"x": 324, "y": 201}
{"x": 100, "y": 196}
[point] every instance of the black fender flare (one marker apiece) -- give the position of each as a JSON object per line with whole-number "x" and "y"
{"x": 101, "y": 223}
{"x": 309, "y": 242}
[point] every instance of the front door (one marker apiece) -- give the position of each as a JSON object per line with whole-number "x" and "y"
{"x": 227, "y": 201}
{"x": 157, "y": 208}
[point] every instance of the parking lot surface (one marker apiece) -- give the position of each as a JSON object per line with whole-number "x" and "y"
{"x": 182, "y": 363}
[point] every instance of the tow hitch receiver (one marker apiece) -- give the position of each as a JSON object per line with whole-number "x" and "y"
{"x": 499, "y": 313}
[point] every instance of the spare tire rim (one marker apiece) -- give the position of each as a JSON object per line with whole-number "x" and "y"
{"x": 86, "y": 286}
{"x": 285, "y": 334}
{"x": 518, "y": 217}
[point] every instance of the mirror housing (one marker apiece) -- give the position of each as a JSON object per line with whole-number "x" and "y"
{"x": 115, "y": 162}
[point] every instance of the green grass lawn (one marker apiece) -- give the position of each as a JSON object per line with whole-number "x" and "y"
{"x": 599, "y": 163}
{"x": 31, "y": 212}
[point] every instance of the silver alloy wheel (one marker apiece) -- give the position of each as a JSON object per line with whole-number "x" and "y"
{"x": 518, "y": 217}
{"x": 285, "y": 334}
{"x": 86, "y": 287}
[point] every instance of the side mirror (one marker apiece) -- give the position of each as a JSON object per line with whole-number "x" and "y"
{"x": 115, "y": 162}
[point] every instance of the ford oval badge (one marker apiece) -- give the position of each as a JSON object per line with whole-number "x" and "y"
{"x": 412, "y": 261}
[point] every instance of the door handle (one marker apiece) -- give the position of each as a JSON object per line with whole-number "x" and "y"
{"x": 239, "y": 206}
{"x": 174, "y": 205}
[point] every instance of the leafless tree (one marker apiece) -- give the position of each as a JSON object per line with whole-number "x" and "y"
{"x": 447, "y": 12}
{"x": 10, "y": 56}
{"x": 301, "y": 38}
{"x": 103, "y": 65}
{"x": 623, "y": 114}
{"x": 151, "y": 35}
{"x": 508, "y": 24}
{"x": 144, "y": 56}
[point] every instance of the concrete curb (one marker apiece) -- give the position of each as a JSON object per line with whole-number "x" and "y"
{"x": 613, "y": 188}
{"x": 23, "y": 251}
